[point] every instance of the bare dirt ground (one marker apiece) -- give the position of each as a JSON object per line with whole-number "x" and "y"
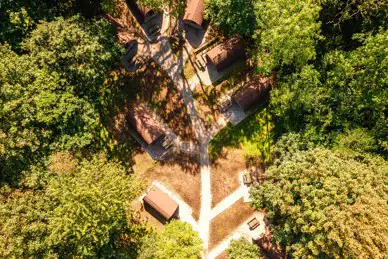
{"x": 225, "y": 223}
{"x": 223, "y": 255}
{"x": 180, "y": 173}
{"x": 225, "y": 171}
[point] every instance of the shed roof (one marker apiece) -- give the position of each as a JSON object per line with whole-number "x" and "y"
{"x": 141, "y": 119}
{"x": 194, "y": 11}
{"x": 255, "y": 91}
{"x": 161, "y": 202}
{"x": 223, "y": 55}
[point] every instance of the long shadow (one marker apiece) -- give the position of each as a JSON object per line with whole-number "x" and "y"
{"x": 187, "y": 163}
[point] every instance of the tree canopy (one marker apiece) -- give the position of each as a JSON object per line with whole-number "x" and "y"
{"x": 178, "y": 240}
{"x": 324, "y": 203}
{"x": 242, "y": 249}
{"x": 83, "y": 211}
{"x": 51, "y": 96}
{"x": 349, "y": 91}
{"x": 232, "y": 16}
{"x": 287, "y": 32}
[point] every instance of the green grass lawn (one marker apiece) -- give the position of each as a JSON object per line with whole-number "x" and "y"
{"x": 254, "y": 135}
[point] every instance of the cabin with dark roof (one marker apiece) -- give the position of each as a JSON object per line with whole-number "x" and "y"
{"x": 140, "y": 119}
{"x": 159, "y": 203}
{"x": 194, "y": 13}
{"x": 227, "y": 53}
{"x": 253, "y": 93}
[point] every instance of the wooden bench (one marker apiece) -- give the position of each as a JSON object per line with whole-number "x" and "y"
{"x": 253, "y": 223}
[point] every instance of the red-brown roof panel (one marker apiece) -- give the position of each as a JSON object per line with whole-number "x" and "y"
{"x": 194, "y": 11}
{"x": 161, "y": 202}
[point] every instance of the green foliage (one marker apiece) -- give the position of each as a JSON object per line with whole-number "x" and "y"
{"x": 79, "y": 213}
{"x": 348, "y": 92}
{"x": 175, "y": 7}
{"x": 287, "y": 34}
{"x": 359, "y": 83}
{"x": 357, "y": 140}
{"x": 255, "y": 135}
{"x": 326, "y": 204}
{"x": 51, "y": 97}
{"x": 242, "y": 249}
{"x": 178, "y": 240}
{"x": 341, "y": 20}
{"x": 232, "y": 16}
{"x": 18, "y": 18}
{"x": 301, "y": 102}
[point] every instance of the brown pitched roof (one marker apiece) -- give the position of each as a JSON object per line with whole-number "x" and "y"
{"x": 223, "y": 55}
{"x": 194, "y": 11}
{"x": 256, "y": 90}
{"x": 161, "y": 202}
{"x": 141, "y": 120}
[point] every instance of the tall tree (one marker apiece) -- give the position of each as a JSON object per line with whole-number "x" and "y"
{"x": 242, "y": 249}
{"x": 232, "y": 16}
{"x": 178, "y": 240}
{"x": 287, "y": 32}
{"x": 341, "y": 20}
{"x": 51, "y": 96}
{"x": 323, "y": 203}
{"x": 348, "y": 92}
{"x": 83, "y": 211}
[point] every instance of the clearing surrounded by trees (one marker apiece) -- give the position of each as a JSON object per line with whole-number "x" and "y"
{"x": 193, "y": 129}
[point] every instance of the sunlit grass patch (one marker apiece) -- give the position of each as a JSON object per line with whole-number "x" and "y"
{"x": 254, "y": 135}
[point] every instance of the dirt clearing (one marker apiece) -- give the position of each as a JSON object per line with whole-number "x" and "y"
{"x": 225, "y": 173}
{"x": 179, "y": 172}
{"x": 224, "y": 224}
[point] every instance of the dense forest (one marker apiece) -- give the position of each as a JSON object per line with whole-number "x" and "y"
{"x": 66, "y": 187}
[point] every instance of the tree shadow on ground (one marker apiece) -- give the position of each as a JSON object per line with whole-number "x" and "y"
{"x": 188, "y": 163}
{"x": 159, "y": 91}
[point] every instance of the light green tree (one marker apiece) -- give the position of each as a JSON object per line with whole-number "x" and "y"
{"x": 287, "y": 32}
{"x": 178, "y": 240}
{"x": 242, "y": 249}
{"x": 323, "y": 203}
{"x": 82, "y": 212}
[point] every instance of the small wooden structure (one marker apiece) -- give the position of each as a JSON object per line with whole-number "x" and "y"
{"x": 253, "y": 223}
{"x": 161, "y": 203}
{"x": 140, "y": 118}
{"x": 194, "y": 13}
{"x": 255, "y": 91}
{"x": 227, "y": 53}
